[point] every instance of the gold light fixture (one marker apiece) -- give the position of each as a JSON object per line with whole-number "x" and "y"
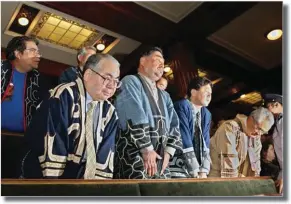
{"x": 23, "y": 20}
{"x": 100, "y": 46}
{"x": 243, "y": 96}
{"x": 167, "y": 69}
{"x": 274, "y": 34}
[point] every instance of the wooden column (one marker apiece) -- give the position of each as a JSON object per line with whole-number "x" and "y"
{"x": 184, "y": 69}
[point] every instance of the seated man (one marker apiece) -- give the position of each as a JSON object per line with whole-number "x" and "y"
{"x": 236, "y": 145}
{"x": 73, "y": 132}
{"x": 20, "y": 83}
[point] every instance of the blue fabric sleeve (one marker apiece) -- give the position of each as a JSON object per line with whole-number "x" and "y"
{"x": 131, "y": 114}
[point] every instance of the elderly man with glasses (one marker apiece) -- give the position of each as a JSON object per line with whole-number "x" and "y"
{"x": 236, "y": 145}
{"x": 73, "y": 132}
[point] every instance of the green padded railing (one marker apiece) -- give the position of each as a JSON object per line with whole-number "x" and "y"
{"x": 172, "y": 187}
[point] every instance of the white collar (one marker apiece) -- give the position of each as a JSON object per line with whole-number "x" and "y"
{"x": 196, "y": 110}
{"x": 89, "y": 99}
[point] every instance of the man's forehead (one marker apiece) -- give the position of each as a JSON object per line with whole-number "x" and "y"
{"x": 109, "y": 68}
{"x": 156, "y": 54}
{"x": 206, "y": 87}
{"x": 30, "y": 43}
{"x": 163, "y": 80}
{"x": 90, "y": 51}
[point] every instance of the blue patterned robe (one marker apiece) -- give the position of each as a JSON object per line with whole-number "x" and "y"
{"x": 144, "y": 124}
{"x": 56, "y": 136}
{"x": 185, "y": 164}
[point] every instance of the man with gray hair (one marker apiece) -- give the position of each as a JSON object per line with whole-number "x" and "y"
{"x": 236, "y": 145}
{"x": 72, "y": 135}
{"x": 72, "y": 73}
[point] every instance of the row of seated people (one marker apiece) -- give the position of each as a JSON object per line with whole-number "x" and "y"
{"x": 76, "y": 132}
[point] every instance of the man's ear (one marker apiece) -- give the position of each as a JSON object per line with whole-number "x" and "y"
{"x": 142, "y": 61}
{"x": 80, "y": 57}
{"x": 17, "y": 54}
{"x": 193, "y": 92}
{"x": 87, "y": 74}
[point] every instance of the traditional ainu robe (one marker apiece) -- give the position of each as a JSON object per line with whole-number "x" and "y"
{"x": 233, "y": 153}
{"x": 56, "y": 136}
{"x": 145, "y": 125}
{"x": 33, "y": 89}
{"x": 185, "y": 163}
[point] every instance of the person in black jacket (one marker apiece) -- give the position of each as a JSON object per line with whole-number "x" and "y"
{"x": 269, "y": 164}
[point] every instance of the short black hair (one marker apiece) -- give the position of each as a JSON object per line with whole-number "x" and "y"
{"x": 265, "y": 146}
{"x": 150, "y": 50}
{"x": 18, "y": 43}
{"x": 196, "y": 83}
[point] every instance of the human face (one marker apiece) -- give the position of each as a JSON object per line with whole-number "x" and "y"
{"x": 83, "y": 58}
{"x": 275, "y": 108}
{"x": 270, "y": 154}
{"x": 162, "y": 84}
{"x": 254, "y": 129}
{"x": 202, "y": 97}
{"x": 152, "y": 66}
{"x": 29, "y": 58}
{"x": 102, "y": 84}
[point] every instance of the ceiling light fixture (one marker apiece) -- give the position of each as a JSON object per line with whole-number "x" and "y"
{"x": 243, "y": 96}
{"x": 167, "y": 69}
{"x": 274, "y": 34}
{"x": 23, "y": 17}
{"x": 23, "y": 21}
{"x": 100, "y": 46}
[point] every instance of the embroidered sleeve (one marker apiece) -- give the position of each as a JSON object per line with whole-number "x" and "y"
{"x": 174, "y": 141}
{"x": 105, "y": 155}
{"x": 48, "y": 134}
{"x": 229, "y": 155}
{"x": 185, "y": 116}
{"x": 205, "y": 167}
{"x": 258, "y": 148}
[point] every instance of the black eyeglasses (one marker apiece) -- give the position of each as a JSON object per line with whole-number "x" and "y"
{"x": 116, "y": 82}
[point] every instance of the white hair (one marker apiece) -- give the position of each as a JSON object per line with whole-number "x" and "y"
{"x": 263, "y": 116}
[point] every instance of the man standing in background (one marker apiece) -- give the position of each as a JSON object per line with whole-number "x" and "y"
{"x": 274, "y": 103}
{"x": 72, "y": 73}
